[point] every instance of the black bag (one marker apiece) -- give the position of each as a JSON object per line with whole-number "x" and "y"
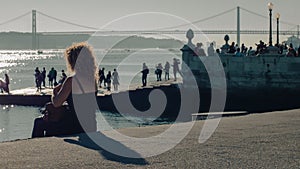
{"x": 55, "y": 114}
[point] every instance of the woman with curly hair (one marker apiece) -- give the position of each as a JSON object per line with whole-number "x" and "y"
{"x": 78, "y": 91}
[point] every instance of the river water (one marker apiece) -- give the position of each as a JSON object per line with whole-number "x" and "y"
{"x": 16, "y": 122}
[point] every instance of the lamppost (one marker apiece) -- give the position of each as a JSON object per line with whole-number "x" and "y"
{"x": 277, "y": 19}
{"x": 270, "y": 6}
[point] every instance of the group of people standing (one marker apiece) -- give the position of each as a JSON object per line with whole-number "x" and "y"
{"x": 159, "y": 69}
{"x": 40, "y": 78}
{"x": 106, "y": 80}
{"x": 199, "y": 51}
{"x": 110, "y": 78}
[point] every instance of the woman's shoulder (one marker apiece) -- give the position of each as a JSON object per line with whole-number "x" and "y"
{"x": 68, "y": 80}
{"x": 69, "y": 77}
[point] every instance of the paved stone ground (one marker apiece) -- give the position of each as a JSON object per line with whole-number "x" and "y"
{"x": 268, "y": 140}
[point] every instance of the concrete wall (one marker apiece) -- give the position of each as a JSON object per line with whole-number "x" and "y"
{"x": 257, "y": 72}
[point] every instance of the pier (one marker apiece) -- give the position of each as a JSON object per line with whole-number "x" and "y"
{"x": 138, "y": 98}
{"x": 30, "y": 97}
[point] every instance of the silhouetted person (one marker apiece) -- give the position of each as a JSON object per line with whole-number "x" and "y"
{"x": 145, "y": 72}
{"x": 7, "y": 82}
{"x": 211, "y": 50}
{"x": 261, "y": 47}
{"x": 176, "y": 68}
{"x": 238, "y": 53}
{"x": 115, "y": 76}
{"x": 62, "y": 77}
{"x": 243, "y": 48}
{"x": 38, "y": 79}
{"x": 44, "y": 77}
{"x": 4, "y": 85}
{"x": 281, "y": 49}
{"x": 50, "y": 80}
{"x": 232, "y": 48}
{"x": 251, "y": 52}
{"x": 218, "y": 52}
{"x": 198, "y": 50}
{"x": 52, "y": 77}
{"x": 101, "y": 77}
{"x": 167, "y": 71}
{"x": 158, "y": 72}
{"x": 291, "y": 51}
{"x": 108, "y": 80}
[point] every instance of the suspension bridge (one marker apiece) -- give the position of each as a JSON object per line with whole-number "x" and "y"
{"x": 166, "y": 30}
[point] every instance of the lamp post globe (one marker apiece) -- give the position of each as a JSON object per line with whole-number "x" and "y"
{"x": 270, "y": 6}
{"x": 277, "y": 15}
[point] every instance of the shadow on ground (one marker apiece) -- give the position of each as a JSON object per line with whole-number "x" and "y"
{"x": 85, "y": 141}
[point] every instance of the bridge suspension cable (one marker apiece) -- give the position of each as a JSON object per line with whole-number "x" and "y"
{"x": 198, "y": 21}
{"x": 67, "y": 22}
{"x": 15, "y": 18}
{"x": 263, "y": 16}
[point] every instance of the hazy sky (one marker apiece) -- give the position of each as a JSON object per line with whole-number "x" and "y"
{"x": 97, "y": 13}
{"x": 145, "y": 14}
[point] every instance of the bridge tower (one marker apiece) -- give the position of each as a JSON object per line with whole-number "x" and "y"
{"x": 238, "y": 30}
{"x": 34, "y": 30}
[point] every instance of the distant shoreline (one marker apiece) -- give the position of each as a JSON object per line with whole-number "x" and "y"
{"x": 23, "y": 41}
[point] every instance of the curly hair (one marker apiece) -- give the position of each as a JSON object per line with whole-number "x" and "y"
{"x": 80, "y": 59}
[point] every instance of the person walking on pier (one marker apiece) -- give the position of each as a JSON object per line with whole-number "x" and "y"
{"x": 145, "y": 72}
{"x": 78, "y": 91}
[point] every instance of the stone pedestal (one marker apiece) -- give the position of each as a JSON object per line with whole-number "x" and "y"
{"x": 187, "y": 54}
